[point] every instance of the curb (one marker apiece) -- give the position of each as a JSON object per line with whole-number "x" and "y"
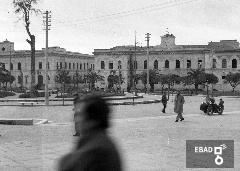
{"x": 16, "y": 121}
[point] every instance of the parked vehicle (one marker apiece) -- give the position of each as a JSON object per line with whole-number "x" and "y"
{"x": 211, "y": 107}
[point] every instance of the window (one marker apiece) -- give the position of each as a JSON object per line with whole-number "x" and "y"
{"x": 48, "y": 65}
{"x": 188, "y": 63}
{"x": 166, "y": 64}
{"x": 102, "y": 65}
{"x": 77, "y": 66}
{"x": 145, "y": 64}
{"x": 119, "y": 65}
{"x": 26, "y": 79}
{"x": 80, "y": 66}
{"x": 224, "y": 63}
{"x": 93, "y": 66}
{"x": 84, "y": 66}
{"x": 214, "y": 62}
{"x": 110, "y": 65}
{"x": 155, "y": 64}
{"x": 11, "y": 66}
{"x": 19, "y": 66}
{"x": 177, "y": 64}
{"x": 135, "y": 65}
{"x": 73, "y": 65}
{"x": 60, "y": 65}
{"x": 40, "y": 65}
{"x": 69, "y": 66}
{"x": 87, "y": 65}
{"x": 223, "y": 77}
{"x": 199, "y": 63}
{"x": 57, "y": 65}
{"x": 65, "y": 65}
{"x": 234, "y": 63}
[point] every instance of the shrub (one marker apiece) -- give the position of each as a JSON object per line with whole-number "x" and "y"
{"x": 6, "y": 93}
{"x": 25, "y": 95}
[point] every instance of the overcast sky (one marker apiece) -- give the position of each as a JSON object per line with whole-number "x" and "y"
{"x": 85, "y": 25}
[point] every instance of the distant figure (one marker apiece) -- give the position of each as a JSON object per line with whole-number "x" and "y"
{"x": 207, "y": 99}
{"x": 95, "y": 150}
{"x": 178, "y": 106}
{"x": 164, "y": 102}
{"x": 221, "y": 102}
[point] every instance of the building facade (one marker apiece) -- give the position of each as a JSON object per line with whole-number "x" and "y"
{"x": 218, "y": 58}
{"x": 18, "y": 63}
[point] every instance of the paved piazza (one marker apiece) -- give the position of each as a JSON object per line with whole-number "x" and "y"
{"x": 148, "y": 139}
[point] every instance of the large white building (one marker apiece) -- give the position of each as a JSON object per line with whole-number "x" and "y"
{"x": 18, "y": 62}
{"x": 218, "y": 58}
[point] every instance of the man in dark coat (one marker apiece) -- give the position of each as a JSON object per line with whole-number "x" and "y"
{"x": 164, "y": 102}
{"x": 178, "y": 106}
{"x": 95, "y": 150}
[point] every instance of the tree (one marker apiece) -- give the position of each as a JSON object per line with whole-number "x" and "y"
{"x": 233, "y": 79}
{"x": 153, "y": 78}
{"x": 25, "y": 8}
{"x": 5, "y": 76}
{"x": 196, "y": 77}
{"x": 77, "y": 78}
{"x": 63, "y": 77}
{"x": 112, "y": 79}
{"x": 170, "y": 80}
{"x": 210, "y": 79}
{"x": 92, "y": 77}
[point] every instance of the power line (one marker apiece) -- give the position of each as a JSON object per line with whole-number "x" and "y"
{"x": 149, "y": 8}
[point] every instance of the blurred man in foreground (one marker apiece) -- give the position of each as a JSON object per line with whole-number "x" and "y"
{"x": 95, "y": 150}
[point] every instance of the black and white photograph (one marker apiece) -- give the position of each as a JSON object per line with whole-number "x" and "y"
{"x": 119, "y": 85}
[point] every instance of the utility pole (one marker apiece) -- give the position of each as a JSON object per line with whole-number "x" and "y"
{"x": 135, "y": 63}
{"x": 47, "y": 21}
{"x": 10, "y": 64}
{"x": 148, "y": 37}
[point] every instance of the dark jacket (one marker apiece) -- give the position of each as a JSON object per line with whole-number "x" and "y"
{"x": 164, "y": 99}
{"x": 95, "y": 151}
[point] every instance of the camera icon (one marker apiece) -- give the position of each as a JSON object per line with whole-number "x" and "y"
{"x": 218, "y": 152}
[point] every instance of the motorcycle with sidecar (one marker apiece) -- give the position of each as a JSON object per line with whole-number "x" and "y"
{"x": 211, "y": 107}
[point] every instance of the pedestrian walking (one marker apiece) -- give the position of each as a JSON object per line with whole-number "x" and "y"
{"x": 164, "y": 102}
{"x": 95, "y": 150}
{"x": 178, "y": 106}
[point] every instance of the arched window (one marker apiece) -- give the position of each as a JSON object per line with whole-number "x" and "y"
{"x": 145, "y": 64}
{"x": 214, "y": 63}
{"x": 234, "y": 63}
{"x": 166, "y": 64}
{"x": 224, "y": 63}
{"x": 19, "y": 66}
{"x": 177, "y": 64}
{"x": 155, "y": 64}
{"x": 189, "y": 64}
